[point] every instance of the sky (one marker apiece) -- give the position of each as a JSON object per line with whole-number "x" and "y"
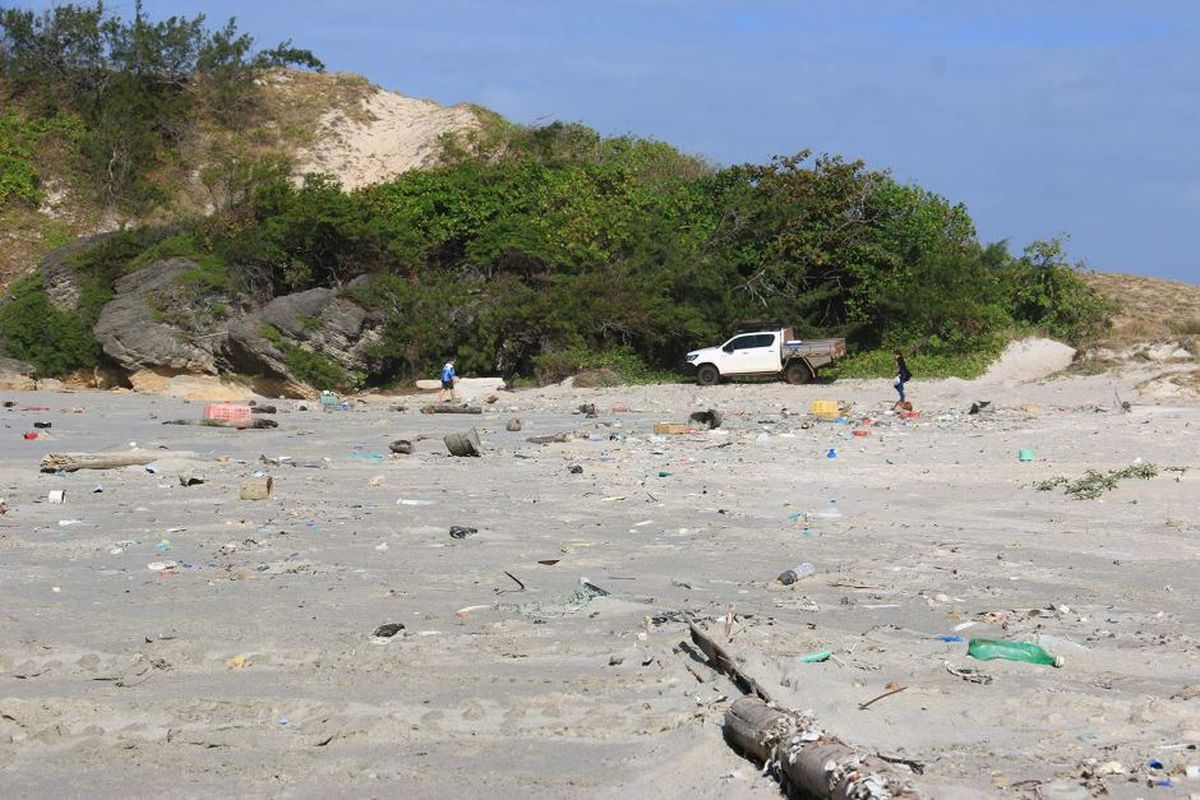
{"x": 1075, "y": 117}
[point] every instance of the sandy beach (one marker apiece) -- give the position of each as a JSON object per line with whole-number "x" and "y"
{"x": 159, "y": 640}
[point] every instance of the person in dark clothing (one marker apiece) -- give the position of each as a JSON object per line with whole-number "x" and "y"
{"x": 902, "y": 376}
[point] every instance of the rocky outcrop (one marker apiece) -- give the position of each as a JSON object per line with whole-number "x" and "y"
{"x": 59, "y": 277}
{"x": 16, "y": 375}
{"x": 156, "y": 321}
{"x": 319, "y": 320}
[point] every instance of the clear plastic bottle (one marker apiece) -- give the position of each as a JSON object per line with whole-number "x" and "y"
{"x": 788, "y": 577}
{"x": 831, "y": 512}
{"x": 987, "y": 649}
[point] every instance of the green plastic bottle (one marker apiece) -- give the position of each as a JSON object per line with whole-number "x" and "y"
{"x": 987, "y": 649}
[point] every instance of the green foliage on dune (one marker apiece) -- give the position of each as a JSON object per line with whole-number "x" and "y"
{"x": 535, "y": 250}
{"x": 133, "y": 88}
{"x": 531, "y": 247}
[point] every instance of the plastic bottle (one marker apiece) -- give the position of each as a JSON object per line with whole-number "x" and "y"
{"x": 987, "y": 649}
{"x": 788, "y": 577}
{"x": 831, "y": 512}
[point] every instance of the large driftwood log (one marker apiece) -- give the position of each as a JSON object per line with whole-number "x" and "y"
{"x": 449, "y": 409}
{"x": 807, "y": 759}
{"x": 70, "y": 462}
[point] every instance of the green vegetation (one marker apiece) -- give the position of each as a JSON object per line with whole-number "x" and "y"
{"x": 128, "y": 91}
{"x": 1093, "y": 484}
{"x": 532, "y": 251}
{"x": 20, "y": 141}
{"x": 52, "y": 341}
{"x": 541, "y": 252}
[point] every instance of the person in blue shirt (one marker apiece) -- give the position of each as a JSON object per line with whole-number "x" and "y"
{"x": 449, "y": 378}
{"x": 903, "y": 376}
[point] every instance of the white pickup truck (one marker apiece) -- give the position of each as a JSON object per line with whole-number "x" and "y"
{"x": 765, "y": 352}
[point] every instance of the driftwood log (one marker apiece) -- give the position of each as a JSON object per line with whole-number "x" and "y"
{"x": 252, "y": 424}
{"x": 807, "y": 759}
{"x": 449, "y": 409}
{"x": 70, "y": 462}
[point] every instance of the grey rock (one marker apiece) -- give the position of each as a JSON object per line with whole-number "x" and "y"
{"x": 58, "y": 272}
{"x": 319, "y": 320}
{"x": 15, "y": 367}
{"x": 155, "y": 322}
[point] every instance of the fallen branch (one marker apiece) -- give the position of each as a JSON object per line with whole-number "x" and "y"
{"x": 889, "y": 693}
{"x": 448, "y": 409}
{"x": 70, "y": 462}
{"x": 727, "y": 664}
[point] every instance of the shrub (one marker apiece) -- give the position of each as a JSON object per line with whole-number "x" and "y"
{"x": 33, "y": 330}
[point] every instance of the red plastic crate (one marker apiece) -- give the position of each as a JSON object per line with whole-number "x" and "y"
{"x": 227, "y": 412}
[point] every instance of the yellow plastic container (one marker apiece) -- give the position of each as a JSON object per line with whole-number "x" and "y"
{"x": 824, "y": 409}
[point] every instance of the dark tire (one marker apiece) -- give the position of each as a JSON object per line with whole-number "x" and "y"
{"x": 707, "y": 375}
{"x": 797, "y": 374}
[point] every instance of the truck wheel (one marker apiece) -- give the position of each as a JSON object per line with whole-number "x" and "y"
{"x": 797, "y": 373}
{"x": 707, "y": 375}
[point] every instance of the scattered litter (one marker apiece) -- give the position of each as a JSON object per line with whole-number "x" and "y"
{"x": 464, "y": 444}
{"x": 815, "y": 658}
{"x": 389, "y": 629}
{"x": 790, "y": 576}
{"x": 188, "y": 478}
{"x": 161, "y": 566}
{"x": 591, "y": 591}
{"x": 968, "y": 674}
{"x": 227, "y": 412}
{"x": 671, "y": 428}
{"x": 237, "y": 662}
{"x": 57, "y": 496}
{"x": 460, "y": 532}
{"x": 259, "y": 489}
{"x": 988, "y": 649}
{"x": 405, "y": 501}
{"x": 575, "y": 469}
{"x": 710, "y": 419}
